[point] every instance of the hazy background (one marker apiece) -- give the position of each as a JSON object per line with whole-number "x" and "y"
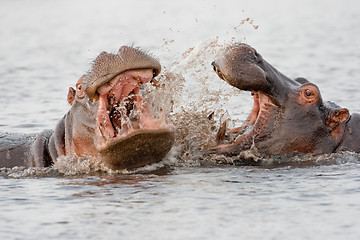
{"x": 45, "y": 46}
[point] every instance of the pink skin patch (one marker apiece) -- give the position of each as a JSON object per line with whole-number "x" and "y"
{"x": 123, "y": 87}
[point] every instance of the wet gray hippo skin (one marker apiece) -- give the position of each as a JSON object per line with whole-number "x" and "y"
{"x": 288, "y": 116}
{"x": 108, "y": 119}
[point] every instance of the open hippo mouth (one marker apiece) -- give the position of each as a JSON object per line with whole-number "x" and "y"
{"x": 259, "y": 118}
{"x": 288, "y": 115}
{"x": 126, "y": 125}
{"x": 242, "y": 67}
{"x": 129, "y": 124}
{"x": 121, "y": 107}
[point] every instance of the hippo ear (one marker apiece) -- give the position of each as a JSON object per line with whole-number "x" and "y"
{"x": 71, "y": 95}
{"x": 301, "y": 80}
{"x": 337, "y": 117}
{"x": 341, "y": 116}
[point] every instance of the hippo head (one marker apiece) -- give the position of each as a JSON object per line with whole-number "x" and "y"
{"x": 109, "y": 117}
{"x": 288, "y": 115}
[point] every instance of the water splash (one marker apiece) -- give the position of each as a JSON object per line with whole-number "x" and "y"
{"x": 198, "y": 99}
{"x": 191, "y": 96}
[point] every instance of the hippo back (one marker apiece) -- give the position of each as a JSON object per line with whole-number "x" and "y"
{"x": 14, "y": 149}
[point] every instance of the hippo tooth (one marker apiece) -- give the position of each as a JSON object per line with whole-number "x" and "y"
{"x": 103, "y": 116}
{"x": 117, "y": 91}
{"x": 254, "y": 94}
{"x": 137, "y": 98}
{"x": 140, "y": 83}
{"x": 111, "y": 102}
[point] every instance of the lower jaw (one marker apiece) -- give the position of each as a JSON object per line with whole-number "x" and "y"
{"x": 137, "y": 148}
{"x": 128, "y": 132}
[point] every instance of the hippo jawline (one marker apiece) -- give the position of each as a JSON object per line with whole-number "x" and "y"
{"x": 137, "y": 148}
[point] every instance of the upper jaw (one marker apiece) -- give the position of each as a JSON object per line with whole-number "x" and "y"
{"x": 256, "y": 80}
{"x": 107, "y": 66}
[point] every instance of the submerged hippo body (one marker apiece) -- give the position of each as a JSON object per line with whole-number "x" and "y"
{"x": 108, "y": 119}
{"x": 288, "y": 116}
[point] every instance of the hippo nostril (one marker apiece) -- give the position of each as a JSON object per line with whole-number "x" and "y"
{"x": 214, "y": 66}
{"x": 257, "y": 56}
{"x": 217, "y": 70}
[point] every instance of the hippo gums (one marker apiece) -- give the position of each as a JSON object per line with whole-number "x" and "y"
{"x": 109, "y": 118}
{"x": 288, "y": 116}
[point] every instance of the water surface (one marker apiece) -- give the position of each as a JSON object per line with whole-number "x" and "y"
{"x": 47, "y": 45}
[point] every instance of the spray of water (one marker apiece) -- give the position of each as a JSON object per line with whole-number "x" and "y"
{"x": 197, "y": 98}
{"x": 191, "y": 96}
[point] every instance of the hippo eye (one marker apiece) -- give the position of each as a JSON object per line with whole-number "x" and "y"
{"x": 79, "y": 90}
{"x": 308, "y": 93}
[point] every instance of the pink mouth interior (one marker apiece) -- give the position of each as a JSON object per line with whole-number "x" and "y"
{"x": 121, "y": 108}
{"x": 251, "y": 119}
{"x": 260, "y": 110}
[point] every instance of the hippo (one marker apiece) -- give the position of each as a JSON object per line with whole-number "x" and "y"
{"x": 288, "y": 116}
{"x": 109, "y": 119}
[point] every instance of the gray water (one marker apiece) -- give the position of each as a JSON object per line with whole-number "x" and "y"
{"x": 45, "y": 46}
